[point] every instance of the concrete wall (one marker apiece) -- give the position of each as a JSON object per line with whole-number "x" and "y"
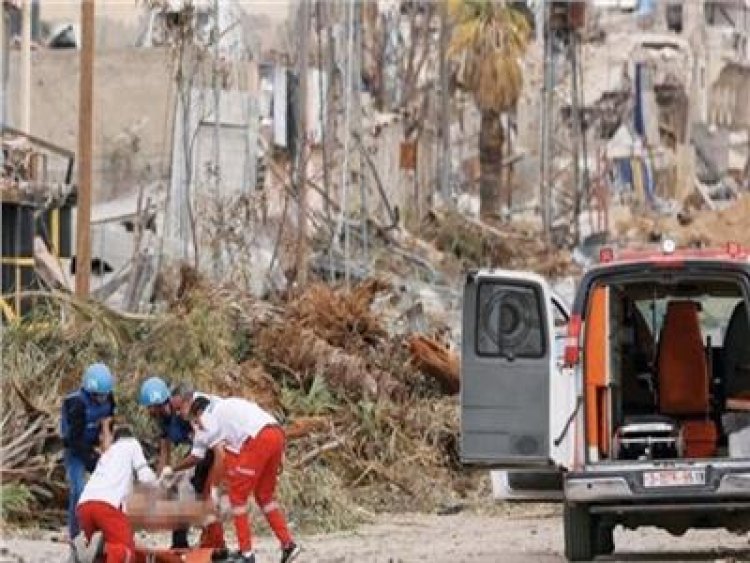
{"x": 729, "y": 100}
{"x": 132, "y": 111}
{"x": 128, "y": 11}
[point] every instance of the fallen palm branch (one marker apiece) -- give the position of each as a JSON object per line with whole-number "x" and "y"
{"x": 303, "y": 427}
{"x": 310, "y": 456}
{"x": 306, "y": 353}
{"x": 342, "y": 319}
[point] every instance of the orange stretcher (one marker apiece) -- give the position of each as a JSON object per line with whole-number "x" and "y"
{"x": 158, "y": 512}
{"x": 192, "y": 555}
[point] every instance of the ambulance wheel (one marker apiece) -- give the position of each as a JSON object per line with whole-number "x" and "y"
{"x": 579, "y": 536}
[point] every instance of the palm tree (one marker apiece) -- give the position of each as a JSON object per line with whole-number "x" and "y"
{"x": 488, "y": 40}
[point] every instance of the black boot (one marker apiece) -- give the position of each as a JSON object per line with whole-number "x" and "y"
{"x": 290, "y": 552}
{"x": 180, "y": 539}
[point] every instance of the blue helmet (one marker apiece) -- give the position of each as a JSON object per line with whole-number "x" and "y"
{"x": 153, "y": 392}
{"x": 98, "y": 379}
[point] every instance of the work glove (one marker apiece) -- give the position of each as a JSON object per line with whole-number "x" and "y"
{"x": 221, "y": 504}
{"x": 167, "y": 477}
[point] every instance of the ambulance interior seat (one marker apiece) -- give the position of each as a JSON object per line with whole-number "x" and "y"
{"x": 684, "y": 379}
{"x": 736, "y": 354}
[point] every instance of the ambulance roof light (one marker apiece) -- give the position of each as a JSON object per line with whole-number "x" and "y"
{"x": 668, "y": 246}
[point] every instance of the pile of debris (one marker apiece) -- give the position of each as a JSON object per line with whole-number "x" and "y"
{"x": 515, "y": 245}
{"x": 690, "y": 228}
{"x": 371, "y": 415}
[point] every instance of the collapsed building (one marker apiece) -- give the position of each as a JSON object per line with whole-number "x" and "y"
{"x": 664, "y": 102}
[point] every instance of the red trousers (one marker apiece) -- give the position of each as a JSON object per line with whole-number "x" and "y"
{"x": 254, "y": 470}
{"x": 119, "y": 545}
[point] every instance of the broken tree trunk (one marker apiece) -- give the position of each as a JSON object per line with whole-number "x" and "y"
{"x": 436, "y": 360}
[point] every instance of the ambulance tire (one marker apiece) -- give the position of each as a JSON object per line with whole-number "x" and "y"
{"x": 579, "y": 533}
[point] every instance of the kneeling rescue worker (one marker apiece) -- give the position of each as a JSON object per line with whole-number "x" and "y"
{"x": 100, "y": 508}
{"x": 248, "y": 444}
{"x": 85, "y": 419}
{"x": 174, "y": 430}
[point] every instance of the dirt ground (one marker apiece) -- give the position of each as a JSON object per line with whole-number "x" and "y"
{"x": 529, "y": 533}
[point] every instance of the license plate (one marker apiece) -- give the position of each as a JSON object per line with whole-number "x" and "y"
{"x": 674, "y": 478}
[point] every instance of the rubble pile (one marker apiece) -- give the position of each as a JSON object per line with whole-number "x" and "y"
{"x": 714, "y": 228}
{"x": 513, "y": 245}
{"x": 690, "y": 228}
{"x": 371, "y": 415}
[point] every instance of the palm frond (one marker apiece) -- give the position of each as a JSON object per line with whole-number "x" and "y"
{"x": 488, "y": 41}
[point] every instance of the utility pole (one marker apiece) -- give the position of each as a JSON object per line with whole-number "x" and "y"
{"x": 85, "y": 138}
{"x": 217, "y": 100}
{"x": 562, "y": 183}
{"x": 547, "y": 99}
{"x": 325, "y": 13}
{"x": 3, "y": 89}
{"x": 444, "y": 160}
{"x": 26, "y": 67}
{"x": 2, "y": 115}
{"x": 217, "y": 172}
{"x": 347, "y": 85}
{"x": 301, "y": 172}
{"x": 358, "y": 20}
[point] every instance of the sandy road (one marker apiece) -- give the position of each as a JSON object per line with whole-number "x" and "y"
{"x": 515, "y": 536}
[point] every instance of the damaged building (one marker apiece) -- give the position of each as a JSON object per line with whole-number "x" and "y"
{"x": 664, "y": 102}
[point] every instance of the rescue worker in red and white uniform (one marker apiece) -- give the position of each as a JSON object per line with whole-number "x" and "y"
{"x": 100, "y": 508}
{"x": 248, "y": 446}
{"x": 200, "y": 457}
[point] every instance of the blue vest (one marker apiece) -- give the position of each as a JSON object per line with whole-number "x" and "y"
{"x": 176, "y": 430}
{"x": 95, "y": 413}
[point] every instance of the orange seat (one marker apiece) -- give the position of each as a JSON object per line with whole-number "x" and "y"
{"x": 683, "y": 373}
{"x": 699, "y": 438}
{"x": 684, "y": 378}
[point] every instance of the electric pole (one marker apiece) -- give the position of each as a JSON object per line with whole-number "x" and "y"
{"x": 444, "y": 166}
{"x": 301, "y": 152}
{"x": 218, "y": 268}
{"x": 345, "y": 177}
{"x": 85, "y": 150}
{"x": 26, "y": 67}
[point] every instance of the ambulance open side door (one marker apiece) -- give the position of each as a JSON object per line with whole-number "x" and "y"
{"x": 509, "y": 355}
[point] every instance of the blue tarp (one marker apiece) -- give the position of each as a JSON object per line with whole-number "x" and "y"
{"x": 639, "y": 119}
{"x": 625, "y": 179}
{"x": 624, "y": 172}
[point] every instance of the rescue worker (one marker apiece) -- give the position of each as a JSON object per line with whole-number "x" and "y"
{"x": 85, "y": 419}
{"x": 248, "y": 445}
{"x": 100, "y": 508}
{"x": 174, "y": 430}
